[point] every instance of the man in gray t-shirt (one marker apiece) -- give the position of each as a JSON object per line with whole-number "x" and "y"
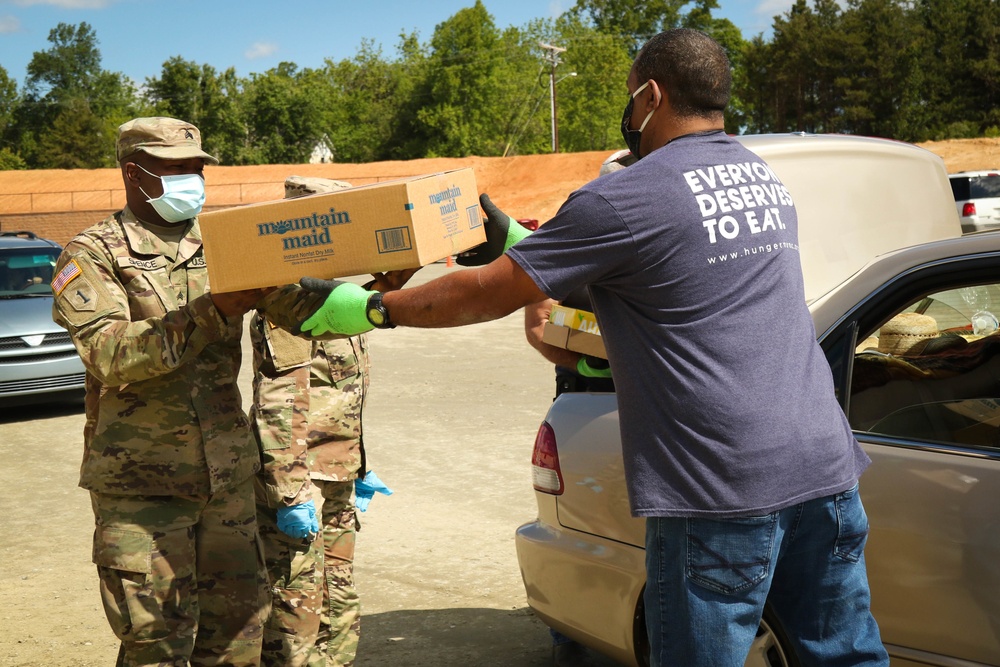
{"x": 697, "y": 282}
{"x": 736, "y": 450}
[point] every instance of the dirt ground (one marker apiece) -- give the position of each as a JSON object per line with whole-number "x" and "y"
{"x": 450, "y": 424}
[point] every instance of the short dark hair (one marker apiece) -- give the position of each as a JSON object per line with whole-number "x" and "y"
{"x": 691, "y": 67}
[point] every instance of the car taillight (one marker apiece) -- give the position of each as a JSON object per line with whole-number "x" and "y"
{"x": 545, "y": 474}
{"x": 968, "y": 209}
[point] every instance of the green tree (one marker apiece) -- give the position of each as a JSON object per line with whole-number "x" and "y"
{"x": 365, "y": 95}
{"x": 78, "y": 139}
{"x": 882, "y": 76}
{"x": 10, "y": 100}
{"x": 211, "y": 101}
{"x": 754, "y": 87}
{"x": 10, "y": 160}
{"x": 411, "y": 69}
{"x": 591, "y": 103}
{"x": 473, "y": 81}
{"x": 729, "y": 36}
{"x": 67, "y": 79}
{"x": 960, "y": 63}
{"x": 68, "y": 67}
{"x": 636, "y": 20}
{"x": 283, "y": 114}
{"x": 177, "y": 92}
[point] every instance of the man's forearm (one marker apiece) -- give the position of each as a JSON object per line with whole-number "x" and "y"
{"x": 464, "y": 297}
{"x": 536, "y": 316}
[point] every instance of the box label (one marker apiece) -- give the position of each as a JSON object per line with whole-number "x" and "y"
{"x": 306, "y": 232}
{"x": 475, "y": 220}
{"x": 394, "y": 239}
{"x": 446, "y": 202}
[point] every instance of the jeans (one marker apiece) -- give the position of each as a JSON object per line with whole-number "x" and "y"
{"x": 708, "y": 580}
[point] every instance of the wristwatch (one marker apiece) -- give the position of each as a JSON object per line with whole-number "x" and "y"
{"x": 377, "y": 313}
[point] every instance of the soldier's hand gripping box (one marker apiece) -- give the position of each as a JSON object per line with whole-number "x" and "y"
{"x": 574, "y": 329}
{"x": 388, "y": 226}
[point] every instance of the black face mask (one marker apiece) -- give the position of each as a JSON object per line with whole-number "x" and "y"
{"x": 634, "y": 137}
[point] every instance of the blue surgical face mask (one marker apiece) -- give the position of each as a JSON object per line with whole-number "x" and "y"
{"x": 182, "y": 198}
{"x": 633, "y": 137}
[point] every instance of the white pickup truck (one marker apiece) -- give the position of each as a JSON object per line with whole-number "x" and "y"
{"x": 879, "y": 236}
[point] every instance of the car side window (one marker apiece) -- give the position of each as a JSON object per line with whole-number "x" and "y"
{"x": 931, "y": 372}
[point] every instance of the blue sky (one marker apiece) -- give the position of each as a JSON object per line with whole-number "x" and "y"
{"x": 136, "y": 37}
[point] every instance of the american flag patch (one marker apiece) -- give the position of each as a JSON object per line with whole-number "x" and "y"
{"x": 66, "y": 276}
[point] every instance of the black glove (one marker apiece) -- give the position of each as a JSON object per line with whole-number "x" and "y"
{"x": 502, "y": 231}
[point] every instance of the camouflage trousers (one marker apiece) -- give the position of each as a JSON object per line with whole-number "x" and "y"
{"x": 182, "y": 577}
{"x": 315, "y": 611}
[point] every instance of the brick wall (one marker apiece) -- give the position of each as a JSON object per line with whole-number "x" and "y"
{"x": 58, "y": 204}
{"x": 59, "y": 226}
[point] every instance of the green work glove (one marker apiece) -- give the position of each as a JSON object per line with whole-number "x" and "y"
{"x": 593, "y": 367}
{"x": 502, "y": 231}
{"x": 345, "y": 310}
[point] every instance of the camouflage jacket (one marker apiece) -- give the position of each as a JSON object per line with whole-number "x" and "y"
{"x": 308, "y": 400}
{"x": 163, "y": 411}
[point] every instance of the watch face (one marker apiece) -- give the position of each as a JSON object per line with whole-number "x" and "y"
{"x": 376, "y": 316}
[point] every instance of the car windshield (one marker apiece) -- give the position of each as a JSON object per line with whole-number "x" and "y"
{"x": 26, "y": 272}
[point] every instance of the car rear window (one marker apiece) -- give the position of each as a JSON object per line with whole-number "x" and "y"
{"x": 960, "y": 188}
{"x": 982, "y": 187}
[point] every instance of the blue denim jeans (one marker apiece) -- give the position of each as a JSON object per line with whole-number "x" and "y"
{"x": 708, "y": 580}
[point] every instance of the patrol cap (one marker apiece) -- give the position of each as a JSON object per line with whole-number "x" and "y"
{"x": 161, "y": 137}
{"x": 300, "y": 186}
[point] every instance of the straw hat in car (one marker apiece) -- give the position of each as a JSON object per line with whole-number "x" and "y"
{"x": 907, "y": 333}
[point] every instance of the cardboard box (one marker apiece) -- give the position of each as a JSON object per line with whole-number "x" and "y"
{"x": 373, "y": 228}
{"x": 574, "y": 329}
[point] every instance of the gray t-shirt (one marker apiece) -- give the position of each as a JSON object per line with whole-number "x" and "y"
{"x": 726, "y": 401}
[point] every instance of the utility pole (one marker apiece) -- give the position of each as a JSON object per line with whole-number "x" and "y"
{"x": 552, "y": 57}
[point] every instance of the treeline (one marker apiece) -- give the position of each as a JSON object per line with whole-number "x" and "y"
{"x": 913, "y": 70}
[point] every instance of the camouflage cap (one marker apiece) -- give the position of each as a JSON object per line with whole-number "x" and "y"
{"x": 161, "y": 137}
{"x": 300, "y": 186}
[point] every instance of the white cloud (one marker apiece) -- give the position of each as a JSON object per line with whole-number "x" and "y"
{"x": 261, "y": 50}
{"x": 9, "y": 24}
{"x": 68, "y": 4}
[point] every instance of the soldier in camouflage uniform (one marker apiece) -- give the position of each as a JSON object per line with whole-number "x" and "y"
{"x": 169, "y": 456}
{"x": 308, "y": 400}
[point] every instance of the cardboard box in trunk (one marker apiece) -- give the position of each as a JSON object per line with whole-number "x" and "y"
{"x": 574, "y": 329}
{"x": 381, "y": 227}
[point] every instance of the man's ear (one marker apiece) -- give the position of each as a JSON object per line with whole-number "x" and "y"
{"x": 131, "y": 171}
{"x": 658, "y": 94}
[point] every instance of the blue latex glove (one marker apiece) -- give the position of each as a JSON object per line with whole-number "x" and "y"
{"x": 345, "y": 310}
{"x": 593, "y": 367}
{"x": 298, "y": 521}
{"x": 364, "y": 490}
{"x": 502, "y": 231}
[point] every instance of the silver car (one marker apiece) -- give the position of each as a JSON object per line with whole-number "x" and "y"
{"x": 912, "y": 339}
{"x": 38, "y": 362}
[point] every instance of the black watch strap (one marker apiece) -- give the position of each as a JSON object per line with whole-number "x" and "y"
{"x": 377, "y": 313}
